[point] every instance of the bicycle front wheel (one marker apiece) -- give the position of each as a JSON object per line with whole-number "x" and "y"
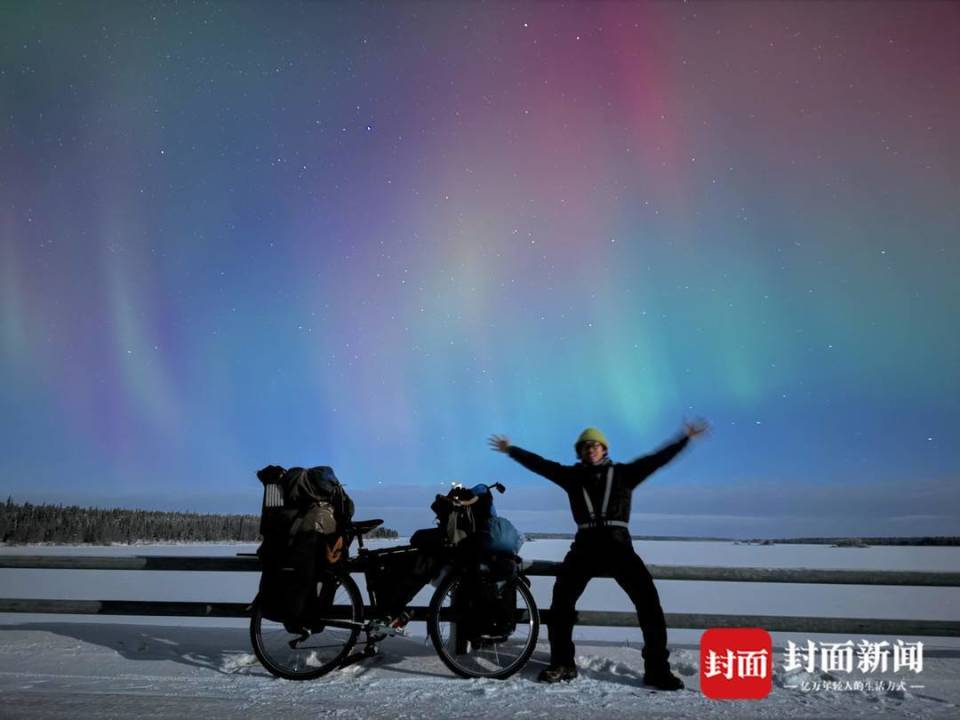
{"x": 336, "y": 623}
{"x": 462, "y": 634}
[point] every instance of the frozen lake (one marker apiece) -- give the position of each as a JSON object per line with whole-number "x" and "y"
{"x": 106, "y": 667}
{"x": 676, "y": 596}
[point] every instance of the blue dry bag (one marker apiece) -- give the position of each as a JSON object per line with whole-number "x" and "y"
{"x": 500, "y": 536}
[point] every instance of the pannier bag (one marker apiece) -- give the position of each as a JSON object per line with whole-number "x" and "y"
{"x": 288, "y": 579}
{"x": 303, "y": 512}
{"x": 396, "y": 575}
{"x": 488, "y": 600}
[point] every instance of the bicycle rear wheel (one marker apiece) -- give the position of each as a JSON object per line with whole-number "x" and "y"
{"x": 452, "y": 627}
{"x": 332, "y": 632}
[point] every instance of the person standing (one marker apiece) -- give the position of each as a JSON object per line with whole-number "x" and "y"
{"x": 600, "y": 491}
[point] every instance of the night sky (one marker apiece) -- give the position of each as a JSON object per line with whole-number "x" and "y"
{"x": 370, "y": 235}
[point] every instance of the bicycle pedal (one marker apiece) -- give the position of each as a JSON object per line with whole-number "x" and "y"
{"x": 404, "y": 618}
{"x": 398, "y": 631}
{"x": 398, "y": 623}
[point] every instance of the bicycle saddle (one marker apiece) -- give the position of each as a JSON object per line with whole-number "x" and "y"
{"x": 362, "y": 527}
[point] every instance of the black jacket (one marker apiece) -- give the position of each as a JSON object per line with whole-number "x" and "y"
{"x": 586, "y": 485}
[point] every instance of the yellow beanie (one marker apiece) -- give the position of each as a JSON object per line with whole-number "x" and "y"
{"x": 591, "y": 434}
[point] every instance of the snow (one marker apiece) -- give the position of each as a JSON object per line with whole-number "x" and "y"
{"x": 92, "y": 671}
{"x": 92, "y": 667}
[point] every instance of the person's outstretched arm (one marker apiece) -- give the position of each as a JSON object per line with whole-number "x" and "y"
{"x": 643, "y": 467}
{"x": 551, "y": 470}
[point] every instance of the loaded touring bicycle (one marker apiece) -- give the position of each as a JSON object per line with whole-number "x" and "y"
{"x": 309, "y": 614}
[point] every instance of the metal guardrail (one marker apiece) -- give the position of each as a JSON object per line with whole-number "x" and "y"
{"x": 870, "y": 626}
{"x": 532, "y": 568}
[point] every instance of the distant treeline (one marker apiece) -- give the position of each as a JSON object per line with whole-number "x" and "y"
{"x": 29, "y": 523}
{"x": 922, "y": 540}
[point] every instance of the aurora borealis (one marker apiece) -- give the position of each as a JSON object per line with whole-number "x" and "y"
{"x": 371, "y": 234}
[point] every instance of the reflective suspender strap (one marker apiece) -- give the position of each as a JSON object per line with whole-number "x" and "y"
{"x": 586, "y": 499}
{"x": 606, "y": 493}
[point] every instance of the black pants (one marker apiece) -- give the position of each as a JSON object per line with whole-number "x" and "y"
{"x": 599, "y": 552}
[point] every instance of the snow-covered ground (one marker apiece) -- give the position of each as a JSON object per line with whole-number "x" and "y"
{"x": 79, "y": 670}
{"x": 82, "y": 666}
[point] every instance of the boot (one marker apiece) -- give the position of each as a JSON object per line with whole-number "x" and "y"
{"x": 663, "y": 680}
{"x": 557, "y": 673}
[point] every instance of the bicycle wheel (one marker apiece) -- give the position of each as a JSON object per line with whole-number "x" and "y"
{"x": 453, "y": 627}
{"x": 331, "y": 636}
